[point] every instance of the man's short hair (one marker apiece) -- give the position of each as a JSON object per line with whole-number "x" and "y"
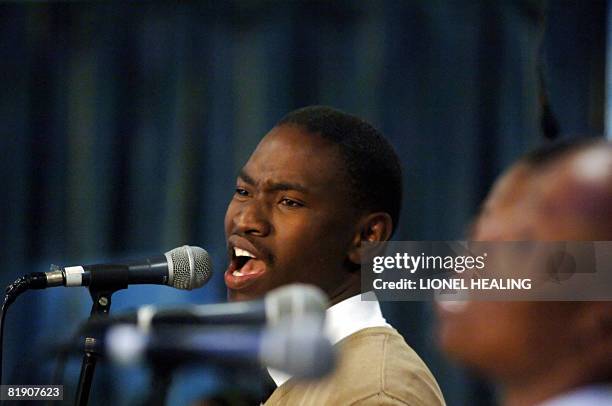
{"x": 372, "y": 165}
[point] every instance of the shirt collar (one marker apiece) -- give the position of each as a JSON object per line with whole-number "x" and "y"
{"x": 343, "y": 319}
{"x": 351, "y": 315}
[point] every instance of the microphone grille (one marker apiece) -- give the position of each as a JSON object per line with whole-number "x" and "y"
{"x": 295, "y": 301}
{"x": 191, "y": 267}
{"x": 299, "y": 349}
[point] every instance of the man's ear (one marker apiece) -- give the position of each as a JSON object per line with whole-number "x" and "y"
{"x": 372, "y": 227}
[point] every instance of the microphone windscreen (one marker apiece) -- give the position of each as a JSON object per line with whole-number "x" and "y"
{"x": 189, "y": 267}
{"x": 299, "y": 349}
{"x": 295, "y": 301}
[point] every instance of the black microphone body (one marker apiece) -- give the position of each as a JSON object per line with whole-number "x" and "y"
{"x": 153, "y": 270}
{"x": 183, "y": 267}
{"x": 150, "y": 271}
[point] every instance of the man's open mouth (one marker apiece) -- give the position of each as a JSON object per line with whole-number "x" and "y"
{"x": 244, "y": 267}
{"x": 245, "y": 263}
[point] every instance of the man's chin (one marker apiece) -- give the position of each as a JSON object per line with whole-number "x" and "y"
{"x": 238, "y": 296}
{"x": 253, "y": 292}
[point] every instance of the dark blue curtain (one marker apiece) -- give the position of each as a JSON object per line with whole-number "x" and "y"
{"x": 123, "y": 125}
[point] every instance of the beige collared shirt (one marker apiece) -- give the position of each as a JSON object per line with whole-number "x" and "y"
{"x": 342, "y": 320}
{"x": 375, "y": 366}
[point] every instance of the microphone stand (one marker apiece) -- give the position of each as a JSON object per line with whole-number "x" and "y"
{"x": 101, "y": 306}
{"x": 101, "y": 295}
{"x": 161, "y": 379}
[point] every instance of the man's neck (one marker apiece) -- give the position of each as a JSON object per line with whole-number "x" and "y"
{"x": 343, "y": 292}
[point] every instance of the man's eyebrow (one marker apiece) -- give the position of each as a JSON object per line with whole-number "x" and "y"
{"x": 273, "y": 186}
{"x": 276, "y": 186}
{"x": 245, "y": 177}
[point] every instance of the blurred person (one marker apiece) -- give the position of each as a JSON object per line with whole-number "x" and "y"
{"x": 542, "y": 353}
{"x": 317, "y": 186}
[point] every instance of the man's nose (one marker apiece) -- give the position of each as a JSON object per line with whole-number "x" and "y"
{"x": 252, "y": 219}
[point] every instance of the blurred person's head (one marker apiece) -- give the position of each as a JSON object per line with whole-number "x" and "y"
{"x": 317, "y": 186}
{"x": 539, "y": 349}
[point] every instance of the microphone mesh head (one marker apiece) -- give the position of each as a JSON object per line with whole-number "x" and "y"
{"x": 190, "y": 266}
{"x": 299, "y": 349}
{"x": 295, "y": 301}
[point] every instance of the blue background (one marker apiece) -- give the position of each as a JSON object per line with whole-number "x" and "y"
{"x": 123, "y": 126}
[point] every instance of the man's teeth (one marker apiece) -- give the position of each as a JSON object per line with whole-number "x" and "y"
{"x": 239, "y": 252}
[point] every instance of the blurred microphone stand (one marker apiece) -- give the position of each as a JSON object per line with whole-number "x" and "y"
{"x": 162, "y": 371}
{"x": 101, "y": 297}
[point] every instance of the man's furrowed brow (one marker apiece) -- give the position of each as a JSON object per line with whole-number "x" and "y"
{"x": 273, "y": 186}
{"x": 246, "y": 177}
{"x": 276, "y": 186}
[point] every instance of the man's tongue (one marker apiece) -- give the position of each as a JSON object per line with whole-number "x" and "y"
{"x": 252, "y": 266}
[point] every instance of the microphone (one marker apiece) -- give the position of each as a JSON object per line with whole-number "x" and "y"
{"x": 184, "y": 267}
{"x": 297, "y": 349}
{"x": 290, "y": 301}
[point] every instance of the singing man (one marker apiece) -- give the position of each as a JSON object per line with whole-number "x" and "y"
{"x": 318, "y": 185}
